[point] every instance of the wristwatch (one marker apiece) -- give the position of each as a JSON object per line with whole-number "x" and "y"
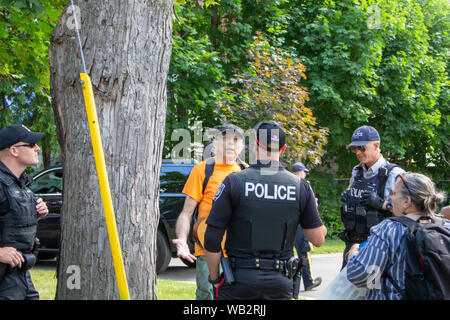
{"x": 215, "y": 281}
{"x": 389, "y": 206}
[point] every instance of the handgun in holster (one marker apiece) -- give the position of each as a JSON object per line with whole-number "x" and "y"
{"x": 294, "y": 266}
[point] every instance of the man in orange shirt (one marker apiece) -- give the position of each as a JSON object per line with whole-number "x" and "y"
{"x": 227, "y": 144}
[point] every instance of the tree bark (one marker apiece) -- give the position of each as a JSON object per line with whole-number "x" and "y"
{"x": 127, "y": 47}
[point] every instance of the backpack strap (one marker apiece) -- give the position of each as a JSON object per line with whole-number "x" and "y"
{"x": 407, "y": 222}
{"x": 209, "y": 169}
{"x": 435, "y": 220}
{"x": 395, "y": 284}
{"x": 241, "y": 164}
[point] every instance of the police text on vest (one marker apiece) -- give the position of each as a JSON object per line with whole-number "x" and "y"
{"x": 270, "y": 191}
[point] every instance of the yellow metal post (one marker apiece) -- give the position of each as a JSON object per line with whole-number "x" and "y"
{"x": 104, "y": 187}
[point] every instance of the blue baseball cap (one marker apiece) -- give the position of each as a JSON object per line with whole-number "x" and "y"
{"x": 363, "y": 135}
{"x": 298, "y": 166}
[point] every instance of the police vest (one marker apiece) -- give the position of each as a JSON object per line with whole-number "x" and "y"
{"x": 268, "y": 214}
{"x": 18, "y": 226}
{"x": 357, "y": 217}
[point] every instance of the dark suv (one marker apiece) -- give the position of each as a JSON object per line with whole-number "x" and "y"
{"x": 48, "y": 185}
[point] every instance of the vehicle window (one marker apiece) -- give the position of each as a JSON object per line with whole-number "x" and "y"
{"x": 172, "y": 180}
{"x": 50, "y": 182}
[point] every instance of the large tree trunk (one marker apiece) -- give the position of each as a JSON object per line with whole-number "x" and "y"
{"x": 127, "y": 46}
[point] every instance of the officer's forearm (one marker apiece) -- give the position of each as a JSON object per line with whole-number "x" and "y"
{"x": 213, "y": 260}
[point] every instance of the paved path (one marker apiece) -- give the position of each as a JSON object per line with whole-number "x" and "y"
{"x": 326, "y": 266}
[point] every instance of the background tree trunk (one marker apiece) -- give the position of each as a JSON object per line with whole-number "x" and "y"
{"x": 127, "y": 47}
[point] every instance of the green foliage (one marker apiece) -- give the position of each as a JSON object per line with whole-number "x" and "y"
{"x": 194, "y": 77}
{"x": 328, "y": 190}
{"x": 270, "y": 90}
{"x": 372, "y": 62}
{"x": 25, "y": 30}
{"x": 210, "y": 44}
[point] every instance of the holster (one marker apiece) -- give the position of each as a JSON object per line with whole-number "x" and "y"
{"x": 294, "y": 267}
{"x": 227, "y": 271}
{"x": 30, "y": 258}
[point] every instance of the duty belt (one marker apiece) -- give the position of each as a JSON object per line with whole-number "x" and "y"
{"x": 258, "y": 263}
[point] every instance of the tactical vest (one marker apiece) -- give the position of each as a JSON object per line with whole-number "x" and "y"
{"x": 357, "y": 217}
{"x": 18, "y": 226}
{"x": 267, "y": 217}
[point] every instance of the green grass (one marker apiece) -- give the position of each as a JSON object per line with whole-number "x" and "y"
{"x": 45, "y": 280}
{"x": 175, "y": 290}
{"x": 45, "y": 283}
{"x": 330, "y": 246}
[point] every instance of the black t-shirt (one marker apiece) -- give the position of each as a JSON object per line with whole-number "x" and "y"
{"x": 228, "y": 197}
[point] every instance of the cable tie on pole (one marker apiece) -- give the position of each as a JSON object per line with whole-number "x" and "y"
{"x": 78, "y": 36}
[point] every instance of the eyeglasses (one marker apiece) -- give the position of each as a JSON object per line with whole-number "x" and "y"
{"x": 360, "y": 148}
{"x": 404, "y": 182}
{"x": 29, "y": 145}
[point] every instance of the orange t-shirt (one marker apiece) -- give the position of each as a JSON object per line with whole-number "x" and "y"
{"x": 194, "y": 185}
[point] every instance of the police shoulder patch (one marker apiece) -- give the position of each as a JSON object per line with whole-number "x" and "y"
{"x": 219, "y": 191}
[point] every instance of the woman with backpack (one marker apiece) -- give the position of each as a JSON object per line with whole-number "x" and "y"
{"x": 383, "y": 264}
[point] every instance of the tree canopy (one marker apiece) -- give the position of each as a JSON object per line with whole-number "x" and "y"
{"x": 25, "y": 30}
{"x": 377, "y": 62}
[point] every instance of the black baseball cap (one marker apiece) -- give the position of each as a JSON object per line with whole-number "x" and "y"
{"x": 298, "y": 166}
{"x": 12, "y": 134}
{"x": 269, "y": 133}
{"x": 230, "y": 127}
{"x": 363, "y": 135}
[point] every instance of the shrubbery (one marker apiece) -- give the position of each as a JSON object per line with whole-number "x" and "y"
{"x": 328, "y": 189}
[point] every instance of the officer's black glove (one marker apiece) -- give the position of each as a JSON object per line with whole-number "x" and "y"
{"x": 371, "y": 199}
{"x": 345, "y": 196}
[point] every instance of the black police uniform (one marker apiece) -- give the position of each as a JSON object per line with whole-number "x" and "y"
{"x": 18, "y": 226}
{"x": 261, "y": 213}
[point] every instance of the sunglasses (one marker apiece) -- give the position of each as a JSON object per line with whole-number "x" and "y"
{"x": 404, "y": 182}
{"x": 29, "y": 145}
{"x": 360, "y": 148}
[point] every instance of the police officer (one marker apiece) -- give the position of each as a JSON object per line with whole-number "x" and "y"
{"x": 367, "y": 200}
{"x": 260, "y": 207}
{"x": 301, "y": 243}
{"x": 19, "y": 213}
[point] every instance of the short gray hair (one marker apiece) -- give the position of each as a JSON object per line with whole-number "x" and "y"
{"x": 422, "y": 191}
